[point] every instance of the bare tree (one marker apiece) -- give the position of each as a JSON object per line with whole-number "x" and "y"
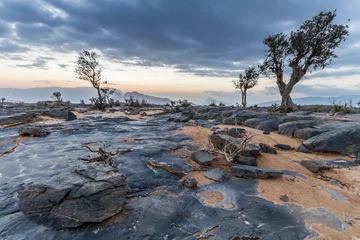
{"x": 89, "y": 69}
{"x": 106, "y": 93}
{"x": 247, "y": 81}
{"x": 2, "y": 101}
{"x": 311, "y": 47}
{"x": 57, "y": 97}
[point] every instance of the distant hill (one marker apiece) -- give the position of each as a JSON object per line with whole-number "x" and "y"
{"x": 33, "y": 95}
{"x": 148, "y": 98}
{"x": 319, "y": 100}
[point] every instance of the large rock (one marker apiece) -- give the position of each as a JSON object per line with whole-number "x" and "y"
{"x": 203, "y": 157}
{"x": 307, "y": 133}
{"x": 16, "y": 118}
{"x": 321, "y": 165}
{"x": 61, "y": 114}
{"x": 265, "y": 148}
{"x": 244, "y": 171}
{"x": 92, "y": 194}
{"x": 343, "y": 141}
{"x": 268, "y": 125}
{"x": 234, "y": 146}
{"x": 33, "y": 131}
{"x": 289, "y": 128}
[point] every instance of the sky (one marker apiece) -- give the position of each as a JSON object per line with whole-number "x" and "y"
{"x": 179, "y": 49}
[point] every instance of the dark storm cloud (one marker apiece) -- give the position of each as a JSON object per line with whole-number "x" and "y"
{"x": 189, "y": 35}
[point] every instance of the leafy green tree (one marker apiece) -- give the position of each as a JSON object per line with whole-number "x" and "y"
{"x": 309, "y": 48}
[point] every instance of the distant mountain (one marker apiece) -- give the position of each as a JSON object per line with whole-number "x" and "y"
{"x": 148, "y": 98}
{"x": 33, "y": 95}
{"x": 319, "y": 100}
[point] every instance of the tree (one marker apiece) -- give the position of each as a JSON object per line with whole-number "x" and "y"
{"x": 2, "y": 101}
{"x": 106, "y": 93}
{"x": 89, "y": 69}
{"x": 309, "y": 48}
{"x": 57, "y": 97}
{"x": 247, "y": 81}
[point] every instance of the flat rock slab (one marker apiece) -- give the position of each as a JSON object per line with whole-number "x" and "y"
{"x": 321, "y": 165}
{"x": 216, "y": 174}
{"x": 94, "y": 193}
{"x": 265, "y": 148}
{"x": 289, "y": 128}
{"x": 203, "y": 157}
{"x": 244, "y": 171}
{"x": 33, "y": 131}
{"x": 283, "y": 147}
{"x": 335, "y": 195}
{"x": 233, "y": 132}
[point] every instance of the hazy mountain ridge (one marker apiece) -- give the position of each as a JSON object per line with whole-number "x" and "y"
{"x": 319, "y": 100}
{"x": 32, "y": 95}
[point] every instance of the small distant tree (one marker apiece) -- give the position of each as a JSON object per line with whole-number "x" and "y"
{"x": 246, "y": 81}
{"x": 106, "y": 93}
{"x": 82, "y": 102}
{"x": 2, "y": 101}
{"x": 57, "y": 97}
{"x": 311, "y": 47}
{"x": 89, "y": 69}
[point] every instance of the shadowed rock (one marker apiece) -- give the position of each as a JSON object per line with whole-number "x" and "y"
{"x": 289, "y": 128}
{"x": 283, "y": 147}
{"x": 244, "y": 171}
{"x": 33, "y": 131}
{"x": 303, "y": 149}
{"x": 92, "y": 194}
{"x": 189, "y": 182}
{"x": 61, "y": 114}
{"x": 203, "y": 157}
{"x": 265, "y": 148}
{"x": 268, "y": 125}
{"x": 217, "y": 174}
{"x": 233, "y": 132}
{"x": 321, "y": 165}
{"x": 343, "y": 141}
{"x": 307, "y": 133}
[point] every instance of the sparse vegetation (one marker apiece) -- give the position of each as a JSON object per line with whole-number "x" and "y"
{"x": 245, "y": 82}
{"x": 311, "y": 47}
{"x": 2, "y": 101}
{"x": 89, "y": 69}
{"x": 57, "y": 97}
{"x": 212, "y": 104}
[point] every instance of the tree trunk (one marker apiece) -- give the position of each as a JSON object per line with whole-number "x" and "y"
{"x": 243, "y": 100}
{"x": 101, "y": 105}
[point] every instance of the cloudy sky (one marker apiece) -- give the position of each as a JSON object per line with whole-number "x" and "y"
{"x": 182, "y": 49}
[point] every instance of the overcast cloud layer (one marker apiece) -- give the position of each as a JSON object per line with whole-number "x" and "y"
{"x": 204, "y": 38}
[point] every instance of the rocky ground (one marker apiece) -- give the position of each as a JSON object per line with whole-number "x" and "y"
{"x": 175, "y": 181}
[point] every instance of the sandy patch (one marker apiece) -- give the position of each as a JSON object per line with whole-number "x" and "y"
{"x": 212, "y": 198}
{"x": 303, "y": 192}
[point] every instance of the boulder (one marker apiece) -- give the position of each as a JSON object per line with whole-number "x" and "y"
{"x": 61, "y": 114}
{"x": 340, "y": 114}
{"x": 16, "y": 118}
{"x": 321, "y": 165}
{"x": 216, "y": 174}
{"x": 283, "y": 147}
{"x": 233, "y": 132}
{"x": 268, "y": 125}
{"x": 33, "y": 131}
{"x": 343, "y": 141}
{"x": 244, "y": 171}
{"x": 92, "y": 194}
{"x": 307, "y": 133}
{"x": 284, "y": 198}
{"x": 265, "y": 148}
{"x": 189, "y": 182}
{"x": 303, "y": 149}
{"x": 289, "y": 128}
{"x": 202, "y": 157}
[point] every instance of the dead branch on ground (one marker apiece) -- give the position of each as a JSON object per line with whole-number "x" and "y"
{"x": 166, "y": 168}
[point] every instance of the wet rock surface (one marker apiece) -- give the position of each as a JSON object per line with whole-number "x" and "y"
{"x": 93, "y": 193}
{"x": 157, "y": 205}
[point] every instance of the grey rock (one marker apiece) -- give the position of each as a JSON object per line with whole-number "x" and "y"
{"x": 16, "y": 118}
{"x": 322, "y": 165}
{"x": 303, "y": 149}
{"x": 289, "y": 128}
{"x": 343, "y": 141}
{"x": 92, "y": 194}
{"x": 233, "y": 132}
{"x": 284, "y": 198}
{"x": 203, "y": 157}
{"x": 357, "y": 161}
{"x": 244, "y": 171}
{"x": 340, "y": 114}
{"x": 283, "y": 147}
{"x": 265, "y": 148}
{"x": 269, "y": 125}
{"x": 61, "y": 114}
{"x": 266, "y": 133}
{"x": 241, "y": 159}
{"x": 189, "y": 182}
{"x": 216, "y": 174}
{"x": 33, "y": 131}
{"x": 307, "y": 133}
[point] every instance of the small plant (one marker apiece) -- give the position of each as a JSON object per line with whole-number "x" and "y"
{"x": 117, "y": 103}
{"x": 82, "y": 102}
{"x": 184, "y": 103}
{"x": 315, "y": 108}
{"x": 2, "y": 101}
{"x": 212, "y": 104}
{"x": 57, "y": 97}
{"x": 221, "y": 104}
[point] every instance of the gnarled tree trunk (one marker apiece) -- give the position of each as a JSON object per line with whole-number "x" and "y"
{"x": 243, "y": 98}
